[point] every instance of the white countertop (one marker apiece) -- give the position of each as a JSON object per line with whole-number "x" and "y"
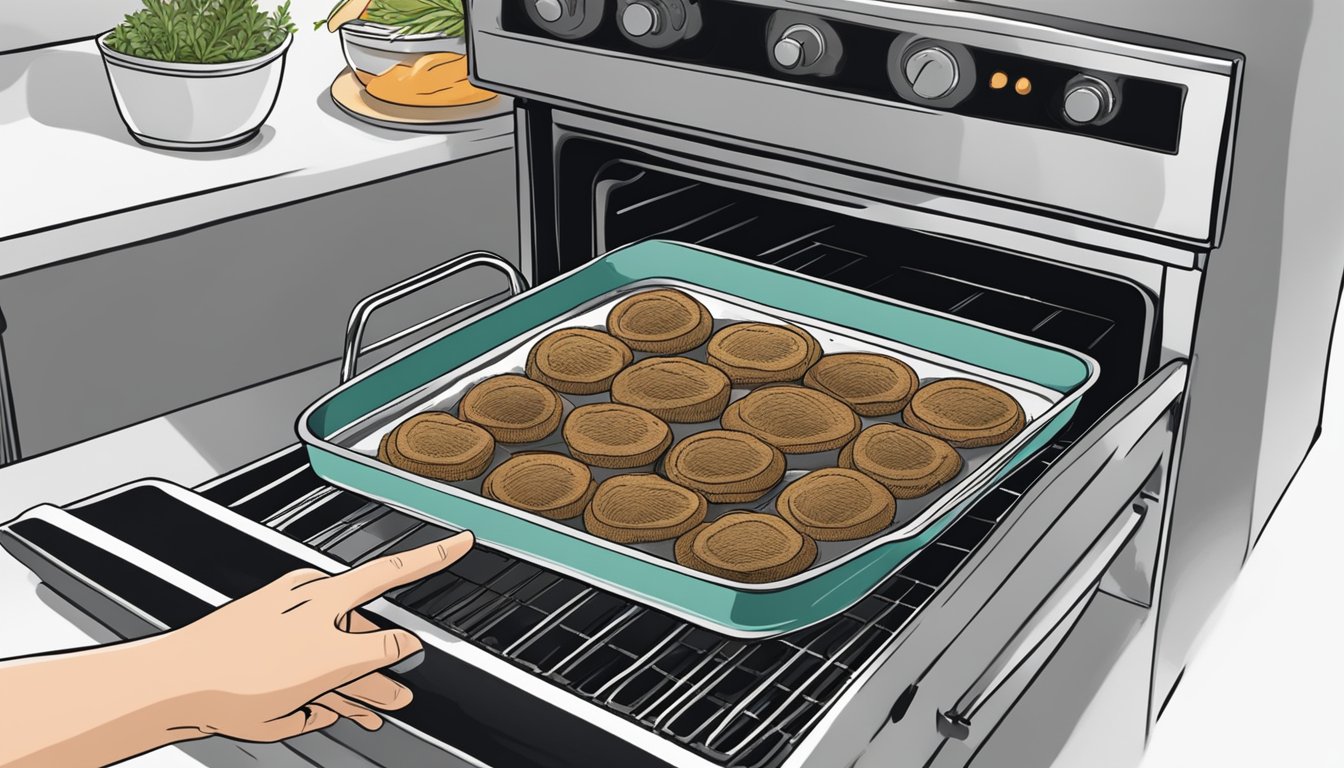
{"x": 76, "y": 182}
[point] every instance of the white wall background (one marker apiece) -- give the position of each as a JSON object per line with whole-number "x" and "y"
{"x": 1264, "y": 687}
{"x": 28, "y": 24}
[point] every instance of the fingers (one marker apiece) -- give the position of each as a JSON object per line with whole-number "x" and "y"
{"x": 360, "y": 585}
{"x": 356, "y": 622}
{"x": 357, "y": 713}
{"x": 313, "y": 717}
{"x": 363, "y": 653}
{"x": 296, "y": 579}
{"x": 377, "y": 690}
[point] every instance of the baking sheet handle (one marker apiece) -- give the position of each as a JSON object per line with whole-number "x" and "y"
{"x": 359, "y": 316}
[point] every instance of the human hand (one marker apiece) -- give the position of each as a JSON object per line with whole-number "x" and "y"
{"x": 295, "y": 656}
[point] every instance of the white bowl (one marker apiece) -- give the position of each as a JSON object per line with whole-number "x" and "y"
{"x": 194, "y": 106}
{"x": 373, "y": 49}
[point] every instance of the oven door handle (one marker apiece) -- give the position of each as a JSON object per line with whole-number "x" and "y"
{"x": 1062, "y": 605}
{"x": 359, "y": 316}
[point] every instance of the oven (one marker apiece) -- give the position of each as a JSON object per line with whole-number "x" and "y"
{"x": 1063, "y": 181}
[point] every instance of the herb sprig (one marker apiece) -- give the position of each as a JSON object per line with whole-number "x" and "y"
{"x": 201, "y": 31}
{"x": 417, "y": 17}
{"x": 413, "y": 17}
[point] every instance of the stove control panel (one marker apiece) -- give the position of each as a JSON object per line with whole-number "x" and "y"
{"x": 903, "y": 67}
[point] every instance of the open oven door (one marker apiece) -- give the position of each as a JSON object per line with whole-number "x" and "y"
{"x": 959, "y": 667}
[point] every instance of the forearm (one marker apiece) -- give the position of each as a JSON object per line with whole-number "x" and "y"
{"x": 92, "y": 707}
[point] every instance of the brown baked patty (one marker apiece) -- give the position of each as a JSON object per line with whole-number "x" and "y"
{"x": 578, "y": 361}
{"x": 727, "y": 467}
{"x": 835, "y": 504}
{"x": 629, "y": 509}
{"x": 751, "y": 547}
{"x": 615, "y": 436}
{"x": 965, "y": 413}
{"x": 513, "y": 408}
{"x": 664, "y": 321}
{"x": 674, "y": 389}
{"x": 438, "y": 445}
{"x": 873, "y": 385}
{"x": 548, "y": 484}
{"x": 908, "y": 463}
{"x": 760, "y": 353}
{"x": 793, "y": 419}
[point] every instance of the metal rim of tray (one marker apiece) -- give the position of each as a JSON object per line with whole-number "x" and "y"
{"x": 973, "y": 484}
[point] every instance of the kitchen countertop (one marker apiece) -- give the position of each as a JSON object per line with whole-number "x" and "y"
{"x": 86, "y": 186}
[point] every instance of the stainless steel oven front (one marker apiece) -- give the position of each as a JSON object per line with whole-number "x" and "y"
{"x": 989, "y": 191}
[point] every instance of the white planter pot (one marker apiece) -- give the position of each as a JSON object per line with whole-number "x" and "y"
{"x": 194, "y": 106}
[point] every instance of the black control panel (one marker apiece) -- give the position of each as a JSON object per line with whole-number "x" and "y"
{"x": 879, "y": 63}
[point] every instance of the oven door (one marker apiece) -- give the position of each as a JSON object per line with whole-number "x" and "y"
{"x": 957, "y": 672}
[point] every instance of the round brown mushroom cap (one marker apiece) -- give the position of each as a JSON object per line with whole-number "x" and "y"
{"x": 908, "y": 463}
{"x": 727, "y": 467}
{"x": 513, "y": 408}
{"x": 751, "y": 547}
{"x": 965, "y": 413}
{"x": 615, "y": 436}
{"x": 642, "y": 507}
{"x": 664, "y": 321}
{"x": 548, "y": 484}
{"x": 674, "y": 389}
{"x": 578, "y": 361}
{"x": 761, "y": 353}
{"x": 871, "y": 384}
{"x": 794, "y": 419}
{"x": 438, "y": 445}
{"x": 836, "y": 504}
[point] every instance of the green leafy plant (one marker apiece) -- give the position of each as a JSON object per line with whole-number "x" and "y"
{"x": 201, "y": 31}
{"x": 414, "y": 17}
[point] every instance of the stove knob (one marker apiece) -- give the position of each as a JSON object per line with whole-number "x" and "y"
{"x": 639, "y": 19}
{"x": 1088, "y": 101}
{"x": 549, "y": 10}
{"x": 932, "y": 72}
{"x": 800, "y": 46}
{"x": 566, "y": 19}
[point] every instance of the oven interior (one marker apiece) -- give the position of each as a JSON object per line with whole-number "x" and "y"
{"x": 607, "y": 196}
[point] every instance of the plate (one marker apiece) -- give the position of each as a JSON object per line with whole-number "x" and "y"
{"x": 349, "y": 94}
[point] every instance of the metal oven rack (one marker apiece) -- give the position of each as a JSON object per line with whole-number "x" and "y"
{"x": 739, "y": 703}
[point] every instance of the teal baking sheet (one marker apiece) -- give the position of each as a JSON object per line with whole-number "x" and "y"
{"x": 1052, "y": 378}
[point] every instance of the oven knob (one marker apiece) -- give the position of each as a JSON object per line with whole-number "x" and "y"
{"x": 566, "y": 19}
{"x": 932, "y": 72}
{"x": 799, "y": 46}
{"x": 639, "y": 19}
{"x": 550, "y": 10}
{"x": 1088, "y": 101}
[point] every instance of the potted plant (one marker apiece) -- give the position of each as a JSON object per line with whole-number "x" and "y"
{"x": 197, "y": 74}
{"x": 407, "y": 52}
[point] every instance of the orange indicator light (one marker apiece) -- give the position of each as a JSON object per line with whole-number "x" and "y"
{"x": 998, "y": 81}
{"x": 1022, "y": 86}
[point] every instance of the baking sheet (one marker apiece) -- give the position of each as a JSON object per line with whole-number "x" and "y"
{"x": 444, "y": 393}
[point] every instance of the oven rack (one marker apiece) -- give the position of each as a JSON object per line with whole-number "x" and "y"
{"x": 740, "y": 703}
{"x": 1106, "y": 318}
